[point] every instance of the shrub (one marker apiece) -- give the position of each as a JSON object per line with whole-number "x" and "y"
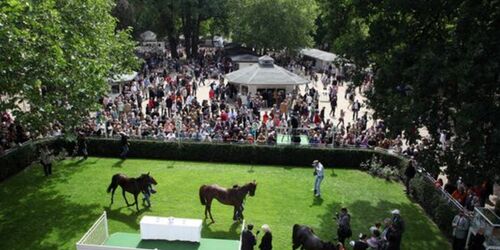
{"x": 376, "y": 167}
{"x": 433, "y": 202}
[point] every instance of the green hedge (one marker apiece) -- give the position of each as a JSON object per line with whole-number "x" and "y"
{"x": 249, "y": 154}
{"x": 432, "y": 201}
{"x": 23, "y": 156}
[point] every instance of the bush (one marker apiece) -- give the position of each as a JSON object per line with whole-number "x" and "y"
{"x": 236, "y": 153}
{"x": 21, "y": 157}
{"x": 433, "y": 202}
{"x": 376, "y": 167}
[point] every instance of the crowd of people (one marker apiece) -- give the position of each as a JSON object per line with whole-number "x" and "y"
{"x": 383, "y": 236}
{"x": 162, "y": 103}
{"x": 12, "y": 133}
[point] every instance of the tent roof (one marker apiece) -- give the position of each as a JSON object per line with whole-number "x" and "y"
{"x": 124, "y": 77}
{"x": 244, "y": 58}
{"x": 265, "y": 73}
{"x": 319, "y": 54}
{"x": 148, "y": 36}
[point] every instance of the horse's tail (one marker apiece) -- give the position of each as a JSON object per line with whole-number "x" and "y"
{"x": 202, "y": 198}
{"x": 114, "y": 183}
{"x": 295, "y": 241}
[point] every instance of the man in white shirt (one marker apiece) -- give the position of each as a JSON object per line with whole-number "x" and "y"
{"x": 318, "y": 177}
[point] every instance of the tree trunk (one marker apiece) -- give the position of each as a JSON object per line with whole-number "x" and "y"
{"x": 195, "y": 38}
{"x": 173, "y": 43}
{"x": 187, "y": 30}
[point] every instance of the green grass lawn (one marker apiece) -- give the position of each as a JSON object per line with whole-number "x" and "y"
{"x": 53, "y": 213}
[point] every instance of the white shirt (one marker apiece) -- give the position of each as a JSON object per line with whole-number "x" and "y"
{"x": 319, "y": 169}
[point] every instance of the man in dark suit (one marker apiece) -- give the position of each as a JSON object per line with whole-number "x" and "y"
{"x": 247, "y": 238}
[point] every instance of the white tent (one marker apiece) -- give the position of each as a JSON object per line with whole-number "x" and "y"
{"x": 322, "y": 58}
{"x": 244, "y": 60}
{"x": 116, "y": 82}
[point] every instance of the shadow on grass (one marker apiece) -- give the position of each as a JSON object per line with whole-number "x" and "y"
{"x": 119, "y": 163}
{"x": 317, "y": 201}
{"x": 333, "y": 174}
{"x": 32, "y": 209}
{"x": 75, "y": 163}
{"x": 415, "y": 237}
{"x": 231, "y": 233}
{"x": 124, "y": 214}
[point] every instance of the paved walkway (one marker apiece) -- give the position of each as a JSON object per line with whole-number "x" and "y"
{"x": 342, "y": 103}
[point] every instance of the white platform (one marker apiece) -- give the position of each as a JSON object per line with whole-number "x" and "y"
{"x": 169, "y": 228}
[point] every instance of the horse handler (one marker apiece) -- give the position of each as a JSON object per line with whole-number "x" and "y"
{"x": 319, "y": 171}
{"x": 125, "y": 145}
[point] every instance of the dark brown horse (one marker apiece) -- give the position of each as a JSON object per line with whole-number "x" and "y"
{"x": 304, "y": 237}
{"x": 132, "y": 185}
{"x": 233, "y": 196}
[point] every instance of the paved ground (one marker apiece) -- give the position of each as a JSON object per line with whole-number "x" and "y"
{"x": 342, "y": 103}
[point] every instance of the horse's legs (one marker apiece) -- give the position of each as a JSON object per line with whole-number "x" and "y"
{"x": 235, "y": 213}
{"x": 210, "y": 213}
{"x": 241, "y": 213}
{"x": 209, "y": 206}
{"x": 112, "y": 195}
{"x": 136, "y": 203}
{"x": 125, "y": 197}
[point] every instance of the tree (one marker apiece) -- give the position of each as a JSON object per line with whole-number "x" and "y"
{"x": 172, "y": 18}
{"x": 56, "y": 57}
{"x": 274, "y": 25}
{"x": 436, "y": 67}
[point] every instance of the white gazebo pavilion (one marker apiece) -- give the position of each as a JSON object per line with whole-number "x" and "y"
{"x": 264, "y": 76}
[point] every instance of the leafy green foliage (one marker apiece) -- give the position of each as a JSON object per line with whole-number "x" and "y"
{"x": 436, "y": 206}
{"x": 376, "y": 167}
{"x": 56, "y": 58}
{"x": 436, "y": 67}
{"x": 274, "y": 25}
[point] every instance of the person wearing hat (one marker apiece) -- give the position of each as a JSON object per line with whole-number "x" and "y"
{"x": 397, "y": 221}
{"x": 396, "y": 230}
{"x": 248, "y": 240}
{"x": 318, "y": 177}
{"x": 266, "y": 243}
{"x": 360, "y": 244}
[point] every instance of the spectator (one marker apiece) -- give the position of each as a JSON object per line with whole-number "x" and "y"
{"x": 266, "y": 243}
{"x": 460, "y": 226}
{"x": 439, "y": 183}
{"x": 409, "y": 174}
{"x": 397, "y": 229}
{"x": 248, "y": 240}
{"x": 459, "y": 195}
{"x": 477, "y": 240}
{"x": 360, "y": 244}
{"x": 344, "y": 225}
{"x": 46, "y": 160}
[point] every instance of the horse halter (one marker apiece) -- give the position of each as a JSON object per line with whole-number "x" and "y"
{"x": 251, "y": 188}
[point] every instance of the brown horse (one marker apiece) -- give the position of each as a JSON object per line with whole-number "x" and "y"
{"x": 131, "y": 185}
{"x": 233, "y": 196}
